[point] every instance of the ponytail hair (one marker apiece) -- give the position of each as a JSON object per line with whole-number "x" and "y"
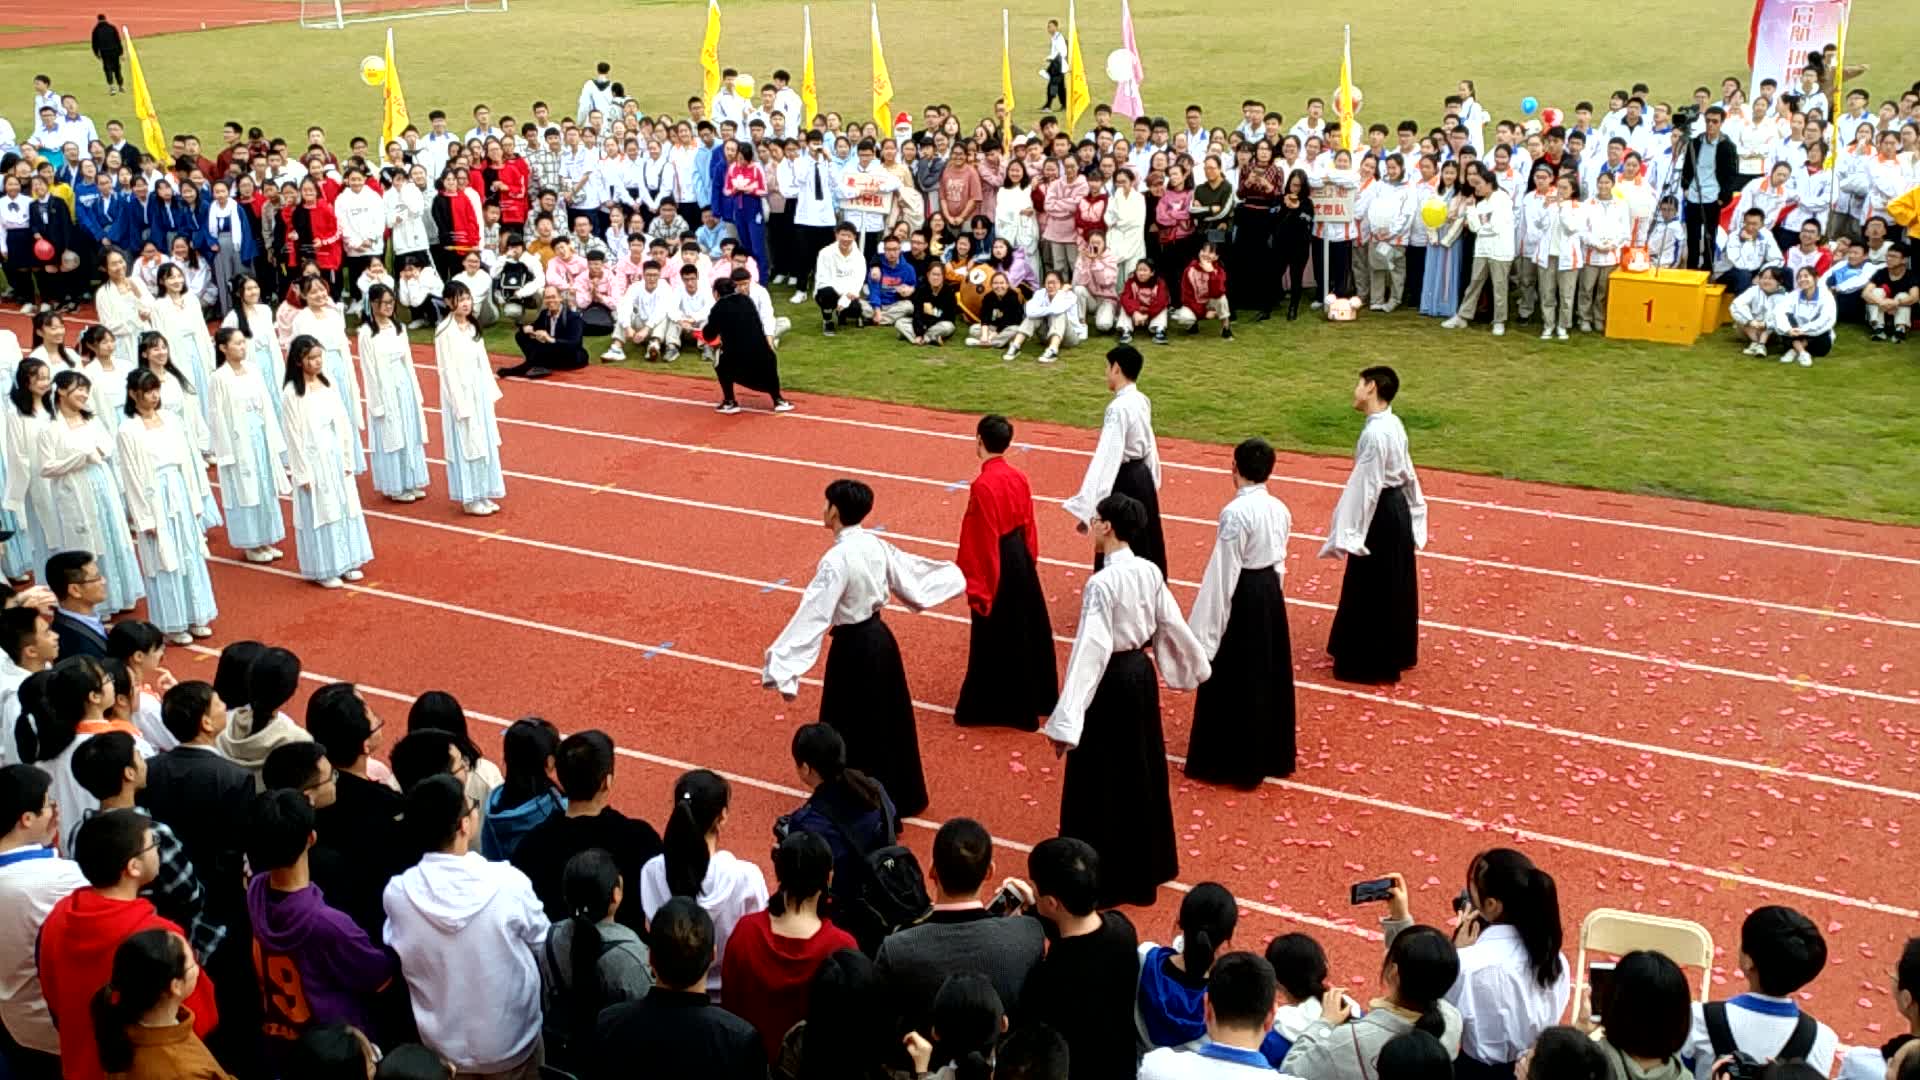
{"x": 272, "y": 679}
{"x": 145, "y": 967}
{"x": 1299, "y": 965}
{"x": 699, "y": 798}
{"x": 1426, "y": 965}
{"x": 1207, "y": 918}
{"x": 820, "y": 748}
{"x": 35, "y": 720}
{"x": 1529, "y": 902}
{"x": 802, "y": 864}
{"x": 967, "y": 1014}
{"x": 588, "y": 885}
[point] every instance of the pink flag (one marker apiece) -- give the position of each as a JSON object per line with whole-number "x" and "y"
{"x": 1124, "y": 68}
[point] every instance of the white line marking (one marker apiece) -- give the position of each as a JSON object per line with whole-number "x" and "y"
{"x": 1329, "y": 793}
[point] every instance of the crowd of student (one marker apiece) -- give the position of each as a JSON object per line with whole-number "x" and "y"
{"x": 642, "y": 224}
{"x": 192, "y": 884}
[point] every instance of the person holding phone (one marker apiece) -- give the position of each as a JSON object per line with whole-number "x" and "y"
{"x": 1513, "y": 975}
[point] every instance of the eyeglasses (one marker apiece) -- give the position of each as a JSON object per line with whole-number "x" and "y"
{"x": 332, "y": 775}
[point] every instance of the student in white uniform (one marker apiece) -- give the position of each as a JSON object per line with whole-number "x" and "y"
{"x": 86, "y": 510}
{"x": 100, "y": 352}
{"x": 28, "y": 502}
{"x": 254, "y": 319}
{"x": 34, "y": 877}
{"x": 1514, "y": 980}
{"x": 1126, "y": 459}
{"x": 1781, "y": 951}
{"x": 863, "y": 693}
{"x": 124, "y": 305}
{"x": 1378, "y": 524}
{"x": 1241, "y": 1002}
{"x": 179, "y": 316}
{"x": 693, "y": 864}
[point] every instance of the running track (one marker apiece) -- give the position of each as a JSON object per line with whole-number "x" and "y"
{"x": 1685, "y": 709}
{"x": 54, "y": 25}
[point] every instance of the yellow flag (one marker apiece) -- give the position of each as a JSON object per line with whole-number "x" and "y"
{"x": 809, "y": 92}
{"x": 882, "y": 82}
{"x": 1839, "y": 80}
{"x": 394, "y": 118}
{"x": 150, "y": 131}
{"x": 1006, "y": 81}
{"x": 1078, "y": 99}
{"x": 1343, "y": 106}
{"x": 710, "y": 55}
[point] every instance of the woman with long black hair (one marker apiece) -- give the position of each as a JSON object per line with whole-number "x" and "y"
{"x": 86, "y": 509}
{"x": 1513, "y": 976}
{"x": 248, "y": 446}
{"x": 165, "y": 485}
{"x": 142, "y": 1026}
{"x": 592, "y": 961}
{"x": 260, "y": 725}
{"x": 1170, "y": 1005}
{"x": 840, "y": 1039}
{"x": 968, "y": 1020}
{"x": 692, "y": 863}
{"x": 772, "y": 955}
{"x": 248, "y": 313}
{"x": 1254, "y": 276}
{"x": 28, "y": 501}
{"x": 527, "y": 795}
{"x": 396, "y": 413}
{"x": 437, "y": 710}
{"x": 852, "y": 812}
{"x": 1293, "y": 237}
{"x": 330, "y": 528}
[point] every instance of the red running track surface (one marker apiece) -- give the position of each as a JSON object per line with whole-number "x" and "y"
{"x": 1683, "y": 709}
{"x": 44, "y": 25}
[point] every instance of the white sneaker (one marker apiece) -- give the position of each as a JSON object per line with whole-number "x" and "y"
{"x": 260, "y": 556}
{"x": 353, "y": 575}
{"x": 331, "y": 583}
{"x": 478, "y": 508}
{"x": 200, "y": 631}
{"x": 1499, "y": 329}
{"x": 28, "y": 309}
{"x": 798, "y": 297}
{"x": 1586, "y": 327}
{"x": 1560, "y": 334}
{"x": 1376, "y": 307}
{"x": 1806, "y": 359}
{"x": 1788, "y": 357}
{"x": 1547, "y": 334}
{"x": 1454, "y": 323}
{"x": 278, "y": 554}
{"x": 783, "y": 406}
{"x": 1013, "y": 352}
{"x": 1754, "y": 348}
{"x": 182, "y": 638}
{"x": 614, "y": 352}
{"x": 1049, "y": 356}
{"x": 972, "y": 342}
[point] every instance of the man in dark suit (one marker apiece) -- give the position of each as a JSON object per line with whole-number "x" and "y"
{"x": 552, "y": 343}
{"x": 676, "y": 1029}
{"x": 202, "y": 796}
{"x": 364, "y": 816}
{"x": 1709, "y": 179}
{"x": 80, "y": 587}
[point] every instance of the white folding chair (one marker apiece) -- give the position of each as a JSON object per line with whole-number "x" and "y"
{"x": 1615, "y": 932}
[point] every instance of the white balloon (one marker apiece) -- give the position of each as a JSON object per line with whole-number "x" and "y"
{"x": 1120, "y": 65}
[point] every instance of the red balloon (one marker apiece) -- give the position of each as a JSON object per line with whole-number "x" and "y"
{"x": 43, "y": 250}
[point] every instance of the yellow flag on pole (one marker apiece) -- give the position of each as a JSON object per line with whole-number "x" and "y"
{"x": 1078, "y": 99}
{"x": 809, "y": 91}
{"x": 1839, "y": 78}
{"x": 710, "y": 55}
{"x": 1006, "y": 81}
{"x": 1344, "y": 105}
{"x": 394, "y": 118}
{"x": 882, "y": 82}
{"x": 151, "y": 134}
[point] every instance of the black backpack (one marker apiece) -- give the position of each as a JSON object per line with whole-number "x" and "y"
{"x": 1805, "y": 1030}
{"x": 892, "y": 894}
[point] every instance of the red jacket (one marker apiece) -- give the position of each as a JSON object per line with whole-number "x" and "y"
{"x": 459, "y": 225}
{"x": 999, "y": 501}
{"x": 765, "y": 978}
{"x": 326, "y": 234}
{"x": 1197, "y": 286}
{"x": 518, "y": 178}
{"x": 1148, "y": 300}
{"x": 77, "y": 943}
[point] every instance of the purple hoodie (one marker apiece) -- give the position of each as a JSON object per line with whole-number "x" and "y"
{"x": 316, "y": 964}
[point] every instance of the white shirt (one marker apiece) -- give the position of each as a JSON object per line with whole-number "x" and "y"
{"x": 1380, "y": 461}
{"x": 646, "y": 307}
{"x": 1502, "y": 1008}
{"x": 1126, "y": 434}
{"x": 786, "y": 102}
{"x": 1252, "y": 536}
{"x": 29, "y": 887}
{"x": 1125, "y": 606}
{"x": 1171, "y": 1063}
{"x": 845, "y": 274}
{"x": 850, "y": 585}
{"x": 1760, "y": 1034}
{"x": 732, "y": 890}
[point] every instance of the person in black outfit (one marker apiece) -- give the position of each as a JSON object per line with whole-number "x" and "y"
{"x": 200, "y": 795}
{"x": 78, "y": 584}
{"x": 1712, "y": 152}
{"x": 676, "y": 1030}
{"x": 365, "y": 813}
{"x": 852, "y": 813}
{"x": 552, "y": 343}
{"x": 1293, "y": 236}
{"x": 49, "y": 219}
{"x": 584, "y": 766}
{"x": 1084, "y": 988}
{"x": 106, "y": 46}
{"x": 746, "y": 353}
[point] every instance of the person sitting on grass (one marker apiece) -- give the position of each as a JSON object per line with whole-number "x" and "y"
{"x": 890, "y": 284}
{"x": 839, "y": 278}
{"x": 936, "y": 309}
{"x": 1752, "y": 311}
{"x": 1054, "y": 314}
{"x": 1203, "y": 294}
{"x": 1804, "y": 319}
{"x": 1144, "y": 304}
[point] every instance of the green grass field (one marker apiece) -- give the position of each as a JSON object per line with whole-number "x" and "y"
{"x": 1842, "y": 438}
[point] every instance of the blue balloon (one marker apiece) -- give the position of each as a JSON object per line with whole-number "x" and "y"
{"x": 1529, "y": 105}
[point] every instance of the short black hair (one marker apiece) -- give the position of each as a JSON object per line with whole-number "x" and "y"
{"x": 293, "y": 766}
{"x": 279, "y": 824}
{"x": 421, "y": 754}
{"x": 19, "y": 628}
{"x": 1031, "y": 1052}
{"x": 1068, "y": 870}
{"x": 132, "y": 636}
{"x": 996, "y": 433}
{"x": 853, "y": 499}
{"x": 1384, "y": 379}
{"x": 1647, "y": 1006}
{"x": 326, "y": 1051}
{"x": 1127, "y": 359}
{"x": 1253, "y": 459}
{"x": 1124, "y": 513}
{"x": 583, "y": 763}
{"x": 435, "y": 808}
{"x": 107, "y": 841}
{"x": 100, "y": 763}
{"x": 23, "y": 791}
{"x": 680, "y": 937}
{"x": 1785, "y": 947}
{"x": 962, "y": 855}
{"x": 338, "y": 718}
{"x": 66, "y": 569}
{"x": 1906, "y": 974}
{"x": 183, "y": 707}
{"x": 1241, "y": 989}
{"x": 1299, "y": 965}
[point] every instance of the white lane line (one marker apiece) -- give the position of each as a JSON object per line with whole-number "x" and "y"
{"x": 1306, "y": 537}
{"x": 1073, "y": 451}
{"x": 1274, "y": 910}
{"x": 502, "y": 536}
{"x": 1328, "y": 793}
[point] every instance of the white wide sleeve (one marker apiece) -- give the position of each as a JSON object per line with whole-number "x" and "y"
{"x": 136, "y": 479}
{"x": 1353, "y": 514}
{"x": 798, "y": 645}
{"x": 920, "y": 582}
{"x": 1086, "y": 666}
{"x": 1215, "y": 602}
{"x": 1184, "y": 662}
{"x": 1107, "y": 458}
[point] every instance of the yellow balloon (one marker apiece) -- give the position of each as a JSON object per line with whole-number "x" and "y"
{"x": 1434, "y": 212}
{"x": 743, "y": 86}
{"x": 373, "y": 71}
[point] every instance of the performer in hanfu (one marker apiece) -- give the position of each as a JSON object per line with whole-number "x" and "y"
{"x": 1126, "y": 459}
{"x": 1013, "y": 676}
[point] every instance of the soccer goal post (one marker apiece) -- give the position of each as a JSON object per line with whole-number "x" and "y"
{"x": 340, "y": 14}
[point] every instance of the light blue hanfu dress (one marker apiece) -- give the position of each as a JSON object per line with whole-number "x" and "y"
{"x": 25, "y": 502}
{"x": 182, "y": 321}
{"x": 396, "y": 415}
{"x": 468, "y": 391}
{"x": 329, "y": 327}
{"x": 87, "y": 511}
{"x": 164, "y": 482}
{"x": 183, "y": 403}
{"x": 330, "y": 529}
{"x": 263, "y": 352}
{"x": 249, "y": 447}
{"x": 1440, "y": 287}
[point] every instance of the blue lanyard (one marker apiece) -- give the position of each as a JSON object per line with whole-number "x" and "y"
{"x": 1234, "y": 1054}
{"x": 25, "y": 855}
{"x": 1765, "y": 1006}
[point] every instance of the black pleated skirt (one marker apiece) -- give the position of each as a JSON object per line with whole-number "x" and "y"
{"x": 1376, "y": 629}
{"x": 864, "y": 697}
{"x": 1013, "y": 675}
{"x": 1135, "y": 479}
{"x": 1115, "y": 794}
{"x": 1243, "y": 716}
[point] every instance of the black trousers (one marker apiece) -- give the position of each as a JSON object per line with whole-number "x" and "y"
{"x": 726, "y": 389}
{"x": 1056, "y": 87}
{"x": 1703, "y": 221}
{"x": 829, "y": 302}
{"x": 808, "y": 240}
{"x": 111, "y": 65}
{"x": 1333, "y": 266}
{"x": 351, "y": 269}
{"x": 780, "y": 236}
